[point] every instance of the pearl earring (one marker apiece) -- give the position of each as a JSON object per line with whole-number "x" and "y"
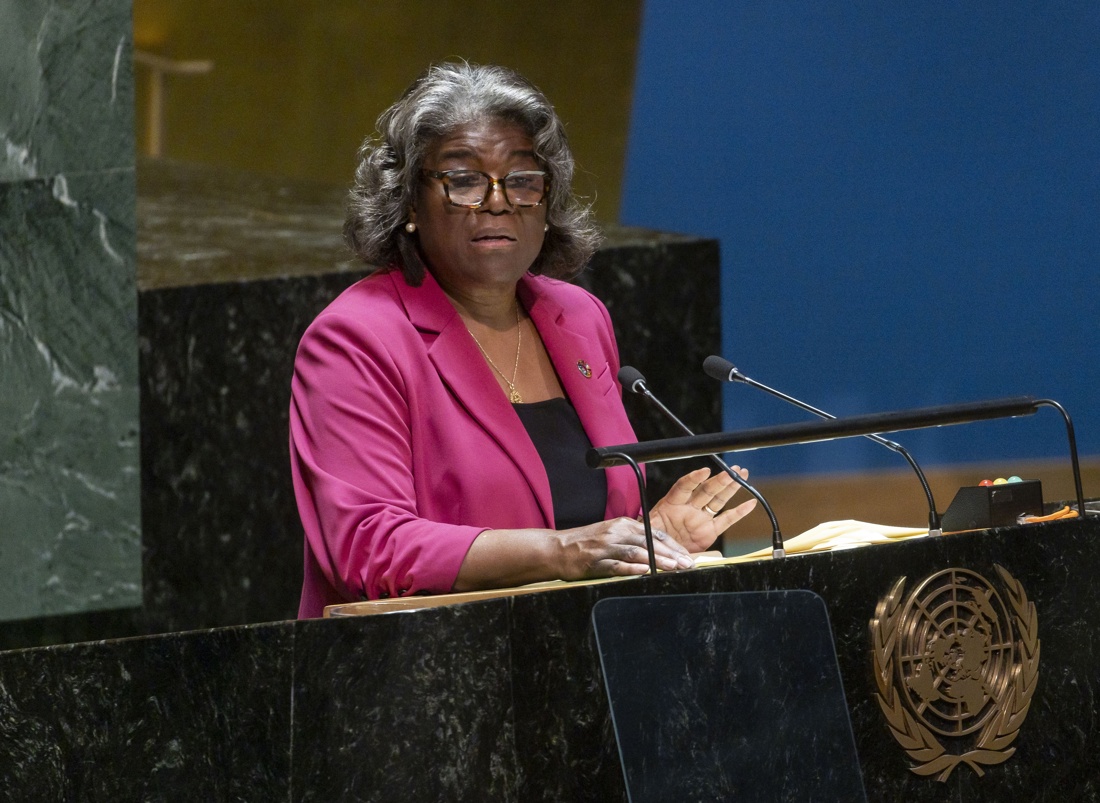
{"x": 546, "y": 227}
{"x": 410, "y": 227}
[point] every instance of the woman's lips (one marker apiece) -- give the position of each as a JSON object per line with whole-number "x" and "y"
{"x": 490, "y": 240}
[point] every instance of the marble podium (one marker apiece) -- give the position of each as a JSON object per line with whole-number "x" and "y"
{"x": 502, "y": 700}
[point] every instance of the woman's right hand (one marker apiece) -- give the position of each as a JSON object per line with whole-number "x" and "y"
{"x": 504, "y": 558}
{"x": 614, "y": 548}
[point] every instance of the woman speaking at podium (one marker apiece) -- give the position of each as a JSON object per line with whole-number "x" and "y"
{"x": 442, "y": 407}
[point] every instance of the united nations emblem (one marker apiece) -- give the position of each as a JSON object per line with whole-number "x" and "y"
{"x": 956, "y": 668}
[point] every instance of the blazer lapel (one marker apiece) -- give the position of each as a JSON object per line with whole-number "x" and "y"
{"x": 588, "y": 376}
{"x": 462, "y": 368}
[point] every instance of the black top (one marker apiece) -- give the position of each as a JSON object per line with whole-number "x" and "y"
{"x": 579, "y": 492}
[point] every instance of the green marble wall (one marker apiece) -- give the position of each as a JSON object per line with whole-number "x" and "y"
{"x": 70, "y": 536}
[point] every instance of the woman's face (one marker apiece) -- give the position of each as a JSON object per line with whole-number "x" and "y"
{"x": 491, "y": 246}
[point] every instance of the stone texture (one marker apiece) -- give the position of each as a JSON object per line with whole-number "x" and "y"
{"x": 199, "y": 225}
{"x": 453, "y": 703}
{"x": 69, "y": 478}
{"x": 69, "y": 532}
{"x": 223, "y": 544}
{"x": 70, "y": 535}
{"x": 504, "y": 699}
{"x": 190, "y": 716}
{"x": 66, "y": 88}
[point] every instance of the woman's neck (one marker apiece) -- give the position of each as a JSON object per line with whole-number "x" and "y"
{"x": 493, "y": 309}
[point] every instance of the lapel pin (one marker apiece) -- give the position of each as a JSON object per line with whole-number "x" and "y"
{"x": 584, "y": 368}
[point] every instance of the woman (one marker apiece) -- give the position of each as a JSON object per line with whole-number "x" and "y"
{"x": 441, "y": 408}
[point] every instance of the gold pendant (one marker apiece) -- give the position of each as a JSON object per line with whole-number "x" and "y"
{"x": 513, "y": 397}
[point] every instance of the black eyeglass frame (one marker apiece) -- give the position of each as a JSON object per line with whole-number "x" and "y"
{"x": 444, "y": 178}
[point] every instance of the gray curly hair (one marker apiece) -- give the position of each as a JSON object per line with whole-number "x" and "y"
{"x": 444, "y": 97}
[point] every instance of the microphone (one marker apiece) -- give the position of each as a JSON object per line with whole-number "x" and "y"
{"x": 631, "y": 379}
{"x": 725, "y": 371}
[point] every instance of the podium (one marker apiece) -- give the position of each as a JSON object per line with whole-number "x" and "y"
{"x": 504, "y": 699}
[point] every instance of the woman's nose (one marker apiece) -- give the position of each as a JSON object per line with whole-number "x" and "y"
{"x": 497, "y": 200}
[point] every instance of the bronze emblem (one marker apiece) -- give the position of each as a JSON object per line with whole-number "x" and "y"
{"x": 956, "y": 668}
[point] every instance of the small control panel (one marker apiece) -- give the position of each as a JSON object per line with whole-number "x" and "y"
{"x": 993, "y": 503}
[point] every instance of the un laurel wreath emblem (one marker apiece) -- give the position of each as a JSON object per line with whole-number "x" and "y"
{"x": 955, "y": 667}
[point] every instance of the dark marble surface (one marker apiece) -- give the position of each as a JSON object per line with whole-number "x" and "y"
{"x": 189, "y": 716}
{"x": 503, "y": 699}
{"x": 223, "y": 544}
{"x": 378, "y": 717}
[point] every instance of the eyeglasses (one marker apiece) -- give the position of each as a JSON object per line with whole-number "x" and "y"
{"x": 470, "y": 188}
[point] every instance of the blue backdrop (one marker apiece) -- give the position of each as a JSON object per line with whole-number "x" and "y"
{"x": 907, "y": 197}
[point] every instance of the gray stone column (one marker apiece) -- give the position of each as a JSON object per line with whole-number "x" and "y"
{"x": 70, "y": 536}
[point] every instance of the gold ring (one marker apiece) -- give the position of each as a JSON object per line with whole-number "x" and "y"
{"x": 711, "y": 512}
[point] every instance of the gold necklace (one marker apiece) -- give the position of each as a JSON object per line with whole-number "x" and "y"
{"x": 513, "y": 394}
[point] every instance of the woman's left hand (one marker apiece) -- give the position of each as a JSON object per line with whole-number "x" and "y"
{"x": 692, "y": 511}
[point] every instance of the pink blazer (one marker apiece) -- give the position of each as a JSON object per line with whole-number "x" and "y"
{"x": 403, "y": 448}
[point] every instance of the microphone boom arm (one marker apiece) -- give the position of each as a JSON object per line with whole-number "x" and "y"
{"x": 933, "y": 513}
{"x": 636, "y": 383}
